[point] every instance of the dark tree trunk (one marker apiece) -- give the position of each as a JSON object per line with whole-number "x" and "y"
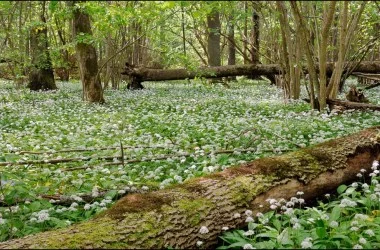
{"x": 41, "y": 76}
{"x": 173, "y": 217}
{"x": 213, "y": 40}
{"x": 231, "y": 44}
{"x": 87, "y": 59}
{"x": 255, "y": 39}
{"x": 255, "y": 36}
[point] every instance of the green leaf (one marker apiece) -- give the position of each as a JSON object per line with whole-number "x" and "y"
{"x": 284, "y": 237}
{"x": 277, "y": 224}
{"x": 335, "y": 213}
{"x": 35, "y": 206}
{"x": 321, "y": 232}
{"x": 341, "y": 189}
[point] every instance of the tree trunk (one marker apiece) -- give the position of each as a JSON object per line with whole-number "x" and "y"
{"x": 213, "y": 39}
{"x": 173, "y": 217}
{"x": 145, "y": 74}
{"x": 41, "y": 76}
{"x": 87, "y": 58}
{"x": 231, "y": 44}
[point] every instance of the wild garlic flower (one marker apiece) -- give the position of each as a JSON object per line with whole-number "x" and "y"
{"x": 369, "y": 232}
{"x": 249, "y": 219}
{"x": 249, "y": 233}
{"x": 199, "y": 243}
{"x": 334, "y": 224}
{"x": 248, "y": 212}
{"x": 306, "y": 243}
{"x": 300, "y": 193}
{"x": 203, "y": 230}
{"x": 362, "y": 241}
{"x": 357, "y": 246}
{"x": 248, "y": 246}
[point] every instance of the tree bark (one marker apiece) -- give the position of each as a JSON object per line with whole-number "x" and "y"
{"x": 41, "y": 76}
{"x": 334, "y": 103}
{"x": 87, "y": 58}
{"x": 213, "y": 39}
{"x": 141, "y": 74}
{"x": 173, "y": 217}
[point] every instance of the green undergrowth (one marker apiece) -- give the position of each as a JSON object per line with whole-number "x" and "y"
{"x": 350, "y": 220}
{"x": 171, "y": 133}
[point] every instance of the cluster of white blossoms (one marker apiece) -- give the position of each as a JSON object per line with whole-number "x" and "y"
{"x": 40, "y": 216}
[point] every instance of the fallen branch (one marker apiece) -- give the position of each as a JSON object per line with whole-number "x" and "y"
{"x": 376, "y": 84}
{"x": 173, "y": 217}
{"x": 352, "y": 105}
{"x": 85, "y": 150}
{"x": 165, "y": 157}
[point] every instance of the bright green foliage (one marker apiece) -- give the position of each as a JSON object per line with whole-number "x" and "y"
{"x": 350, "y": 220}
{"x": 180, "y": 118}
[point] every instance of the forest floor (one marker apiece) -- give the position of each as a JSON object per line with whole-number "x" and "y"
{"x": 61, "y": 160}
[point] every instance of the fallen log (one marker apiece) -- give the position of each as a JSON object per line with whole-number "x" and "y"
{"x": 334, "y": 103}
{"x": 138, "y": 75}
{"x": 172, "y": 217}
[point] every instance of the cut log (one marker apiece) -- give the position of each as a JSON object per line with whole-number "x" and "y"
{"x": 172, "y": 217}
{"x": 333, "y": 103}
{"x": 141, "y": 74}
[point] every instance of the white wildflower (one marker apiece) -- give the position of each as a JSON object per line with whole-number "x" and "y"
{"x": 362, "y": 241}
{"x": 273, "y": 207}
{"x": 375, "y": 164}
{"x": 248, "y": 246}
{"x": 249, "y": 219}
{"x": 248, "y": 212}
{"x": 87, "y": 207}
{"x": 224, "y": 228}
{"x": 259, "y": 214}
{"x": 359, "y": 175}
{"x": 203, "y": 230}
{"x": 300, "y": 193}
{"x": 363, "y": 170}
{"x": 249, "y": 233}
{"x": 354, "y": 229}
{"x": 2, "y": 221}
{"x": 296, "y": 226}
{"x": 357, "y": 246}
{"x": 334, "y": 224}
{"x": 369, "y": 232}
{"x": 236, "y": 215}
{"x": 199, "y": 243}
{"x": 306, "y": 243}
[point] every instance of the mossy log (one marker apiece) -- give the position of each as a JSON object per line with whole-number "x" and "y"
{"x": 141, "y": 74}
{"x": 173, "y": 216}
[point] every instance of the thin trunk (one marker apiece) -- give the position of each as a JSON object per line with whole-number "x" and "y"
{"x": 328, "y": 17}
{"x": 231, "y": 44}
{"x": 304, "y": 34}
{"x": 245, "y": 33}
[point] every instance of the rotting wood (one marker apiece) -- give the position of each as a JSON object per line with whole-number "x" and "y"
{"x": 172, "y": 217}
{"x": 141, "y": 74}
{"x": 351, "y": 105}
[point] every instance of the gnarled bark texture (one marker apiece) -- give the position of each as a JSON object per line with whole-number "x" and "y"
{"x": 41, "y": 75}
{"x": 173, "y": 216}
{"x": 146, "y": 74}
{"x": 87, "y": 58}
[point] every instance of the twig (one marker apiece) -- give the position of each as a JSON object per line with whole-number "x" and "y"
{"x": 55, "y": 161}
{"x": 85, "y": 150}
{"x": 164, "y": 157}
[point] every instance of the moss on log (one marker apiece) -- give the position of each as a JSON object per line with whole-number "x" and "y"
{"x": 173, "y": 216}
